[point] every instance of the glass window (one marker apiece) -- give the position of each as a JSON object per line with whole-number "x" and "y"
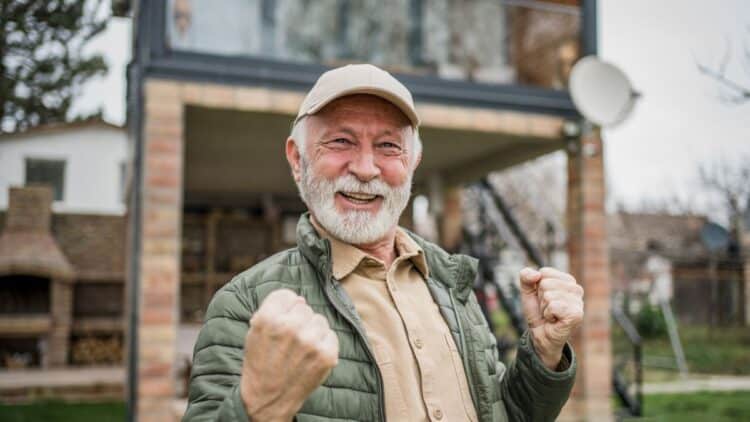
{"x": 492, "y": 41}
{"x": 48, "y": 172}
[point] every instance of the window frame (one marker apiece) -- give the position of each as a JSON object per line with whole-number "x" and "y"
{"x": 48, "y": 160}
{"x": 158, "y": 60}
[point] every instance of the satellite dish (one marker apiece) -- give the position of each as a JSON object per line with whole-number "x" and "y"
{"x": 601, "y": 92}
{"x": 715, "y": 237}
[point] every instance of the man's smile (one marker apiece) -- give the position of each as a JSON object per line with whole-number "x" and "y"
{"x": 358, "y": 197}
{"x": 359, "y": 200}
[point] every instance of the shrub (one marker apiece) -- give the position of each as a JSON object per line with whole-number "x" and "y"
{"x": 650, "y": 322}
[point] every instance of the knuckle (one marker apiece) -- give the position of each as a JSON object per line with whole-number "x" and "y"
{"x": 544, "y": 284}
{"x": 308, "y": 345}
{"x": 260, "y": 319}
{"x": 281, "y": 295}
{"x": 286, "y": 328}
{"x": 331, "y": 359}
{"x": 319, "y": 320}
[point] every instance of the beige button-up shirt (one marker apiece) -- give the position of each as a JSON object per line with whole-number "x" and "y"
{"x": 422, "y": 371}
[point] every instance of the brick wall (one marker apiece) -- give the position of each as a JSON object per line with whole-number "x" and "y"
{"x": 94, "y": 244}
{"x": 160, "y": 243}
{"x": 589, "y": 263}
{"x": 29, "y": 209}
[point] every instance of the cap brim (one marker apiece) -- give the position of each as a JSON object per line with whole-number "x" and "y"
{"x": 405, "y": 108}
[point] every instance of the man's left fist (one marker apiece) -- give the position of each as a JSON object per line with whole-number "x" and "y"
{"x": 553, "y": 305}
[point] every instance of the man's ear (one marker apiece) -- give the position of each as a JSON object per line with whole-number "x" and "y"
{"x": 294, "y": 158}
{"x": 417, "y": 161}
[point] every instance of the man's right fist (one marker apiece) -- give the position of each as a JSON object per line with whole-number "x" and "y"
{"x": 289, "y": 351}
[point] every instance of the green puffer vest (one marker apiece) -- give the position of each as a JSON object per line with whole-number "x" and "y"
{"x": 524, "y": 391}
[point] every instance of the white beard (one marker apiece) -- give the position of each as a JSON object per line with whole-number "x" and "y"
{"x": 353, "y": 226}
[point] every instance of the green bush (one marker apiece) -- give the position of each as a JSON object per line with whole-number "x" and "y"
{"x": 650, "y": 322}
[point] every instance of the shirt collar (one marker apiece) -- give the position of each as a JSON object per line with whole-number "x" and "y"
{"x": 346, "y": 257}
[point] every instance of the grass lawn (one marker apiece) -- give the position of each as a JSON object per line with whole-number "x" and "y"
{"x": 63, "y": 412}
{"x": 719, "y": 350}
{"x": 731, "y": 406}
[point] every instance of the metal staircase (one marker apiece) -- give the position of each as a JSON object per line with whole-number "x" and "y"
{"x": 497, "y": 228}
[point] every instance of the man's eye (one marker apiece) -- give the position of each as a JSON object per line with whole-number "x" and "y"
{"x": 341, "y": 141}
{"x": 390, "y": 146}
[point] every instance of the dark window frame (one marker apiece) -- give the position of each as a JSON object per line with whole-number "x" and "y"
{"x": 58, "y": 194}
{"x": 158, "y": 60}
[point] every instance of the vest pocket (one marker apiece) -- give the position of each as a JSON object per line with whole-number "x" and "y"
{"x": 458, "y": 367}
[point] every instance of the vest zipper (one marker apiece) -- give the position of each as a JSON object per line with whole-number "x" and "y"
{"x": 465, "y": 354}
{"x": 345, "y": 314}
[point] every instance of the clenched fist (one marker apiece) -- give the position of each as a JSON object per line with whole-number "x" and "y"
{"x": 553, "y": 305}
{"x": 289, "y": 351}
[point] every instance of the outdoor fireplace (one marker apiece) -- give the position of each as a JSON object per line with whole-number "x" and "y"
{"x": 35, "y": 285}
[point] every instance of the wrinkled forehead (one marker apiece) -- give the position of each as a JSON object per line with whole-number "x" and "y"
{"x": 362, "y": 108}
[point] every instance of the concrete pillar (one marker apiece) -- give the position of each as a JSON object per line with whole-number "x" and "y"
{"x": 160, "y": 245}
{"x": 589, "y": 263}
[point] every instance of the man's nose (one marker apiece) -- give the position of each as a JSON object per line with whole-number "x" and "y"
{"x": 363, "y": 166}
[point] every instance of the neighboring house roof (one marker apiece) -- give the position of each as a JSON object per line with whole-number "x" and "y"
{"x": 61, "y": 127}
{"x": 677, "y": 236}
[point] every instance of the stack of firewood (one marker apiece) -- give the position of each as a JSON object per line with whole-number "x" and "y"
{"x": 97, "y": 351}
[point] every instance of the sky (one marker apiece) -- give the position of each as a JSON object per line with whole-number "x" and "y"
{"x": 678, "y": 123}
{"x": 680, "y": 120}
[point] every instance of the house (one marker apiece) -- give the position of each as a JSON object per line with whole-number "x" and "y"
{"x": 84, "y": 162}
{"x": 62, "y": 246}
{"x": 214, "y": 87}
{"x": 706, "y": 287}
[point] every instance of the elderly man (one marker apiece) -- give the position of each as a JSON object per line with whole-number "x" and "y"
{"x": 364, "y": 320}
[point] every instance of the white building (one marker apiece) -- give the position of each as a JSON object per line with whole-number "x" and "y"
{"x": 83, "y": 161}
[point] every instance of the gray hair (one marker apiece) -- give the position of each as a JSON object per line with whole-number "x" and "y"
{"x": 299, "y": 135}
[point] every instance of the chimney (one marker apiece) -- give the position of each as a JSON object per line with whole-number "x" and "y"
{"x": 29, "y": 209}
{"x": 26, "y": 243}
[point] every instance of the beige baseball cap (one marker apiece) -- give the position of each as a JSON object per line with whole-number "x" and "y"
{"x": 357, "y": 79}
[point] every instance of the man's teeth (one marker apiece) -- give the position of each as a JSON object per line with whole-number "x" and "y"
{"x": 359, "y": 196}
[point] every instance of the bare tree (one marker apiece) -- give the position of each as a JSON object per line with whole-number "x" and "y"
{"x": 730, "y": 182}
{"x": 730, "y": 90}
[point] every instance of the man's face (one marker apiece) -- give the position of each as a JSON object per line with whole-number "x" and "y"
{"x": 355, "y": 173}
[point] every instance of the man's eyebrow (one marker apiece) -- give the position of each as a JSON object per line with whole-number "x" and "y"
{"x": 345, "y": 129}
{"x": 397, "y": 134}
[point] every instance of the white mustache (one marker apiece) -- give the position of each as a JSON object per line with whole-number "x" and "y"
{"x": 349, "y": 183}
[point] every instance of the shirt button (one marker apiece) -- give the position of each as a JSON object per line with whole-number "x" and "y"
{"x": 418, "y": 343}
{"x": 437, "y": 413}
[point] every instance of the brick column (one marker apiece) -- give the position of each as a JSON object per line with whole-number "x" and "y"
{"x": 589, "y": 263}
{"x": 451, "y": 221}
{"x": 160, "y": 249}
{"x": 61, "y": 311}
